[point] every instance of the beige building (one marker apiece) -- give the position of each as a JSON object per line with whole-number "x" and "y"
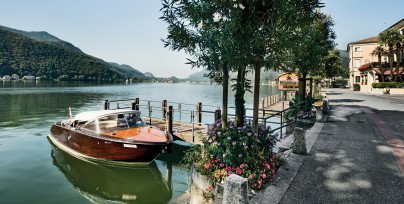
{"x": 360, "y": 55}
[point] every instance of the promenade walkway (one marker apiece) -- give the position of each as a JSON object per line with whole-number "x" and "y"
{"x": 358, "y": 156}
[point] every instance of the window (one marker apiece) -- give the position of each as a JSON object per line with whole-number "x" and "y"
{"x": 357, "y": 79}
{"x": 357, "y": 63}
{"x": 357, "y": 49}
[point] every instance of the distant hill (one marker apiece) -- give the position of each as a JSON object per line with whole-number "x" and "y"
{"x": 43, "y": 36}
{"x": 265, "y": 76}
{"x": 44, "y": 55}
{"x": 149, "y": 75}
{"x": 127, "y": 70}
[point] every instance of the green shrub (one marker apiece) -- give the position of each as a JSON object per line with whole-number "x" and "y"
{"x": 357, "y": 87}
{"x": 393, "y": 84}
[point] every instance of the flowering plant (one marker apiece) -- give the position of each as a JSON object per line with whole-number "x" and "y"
{"x": 236, "y": 150}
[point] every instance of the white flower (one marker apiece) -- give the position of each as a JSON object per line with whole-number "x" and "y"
{"x": 241, "y": 6}
{"x": 216, "y": 17}
{"x": 200, "y": 25}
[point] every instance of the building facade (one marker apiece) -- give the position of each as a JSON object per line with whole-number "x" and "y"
{"x": 360, "y": 54}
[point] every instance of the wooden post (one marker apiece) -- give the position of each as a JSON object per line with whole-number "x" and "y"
{"x": 150, "y": 111}
{"x": 218, "y": 114}
{"x": 311, "y": 87}
{"x": 164, "y": 109}
{"x": 169, "y": 122}
{"x": 262, "y": 102}
{"x": 199, "y": 113}
{"x": 137, "y": 104}
{"x": 106, "y": 105}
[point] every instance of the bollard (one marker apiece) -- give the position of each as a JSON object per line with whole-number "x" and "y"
{"x": 169, "y": 123}
{"x": 199, "y": 113}
{"x": 325, "y": 106}
{"x": 163, "y": 109}
{"x": 299, "y": 141}
{"x": 235, "y": 190}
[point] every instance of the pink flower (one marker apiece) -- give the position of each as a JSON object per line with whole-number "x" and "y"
{"x": 210, "y": 188}
{"x": 241, "y": 165}
{"x": 238, "y": 171}
{"x": 228, "y": 168}
{"x": 267, "y": 166}
{"x": 207, "y": 165}
{"x": 221, "y": 165}
{"x": 263, "y": 176}
{"x": 250, "y": 177}
{"x": 259, "y": 181}
{"x": 229, "y": 173}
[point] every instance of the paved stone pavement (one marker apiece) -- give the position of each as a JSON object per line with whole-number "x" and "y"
{"x": 356, "y": 158}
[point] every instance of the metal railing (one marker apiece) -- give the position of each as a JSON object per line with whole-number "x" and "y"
{"x": 198, "y": 114}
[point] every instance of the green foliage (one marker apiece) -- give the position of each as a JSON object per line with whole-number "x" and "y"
{"x": 236, "y": 150}
{"x": 357, "y": 87}
{"x": 24, "y": 56}
{"x": 332, "y": 67}
{"x": 304, "y": 109}
{"x": 388, "y": 85}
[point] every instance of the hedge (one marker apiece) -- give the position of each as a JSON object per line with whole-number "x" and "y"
{"x": 388, "y": 85}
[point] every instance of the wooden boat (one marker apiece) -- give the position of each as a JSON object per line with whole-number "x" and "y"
{"x": 118, "y": 137}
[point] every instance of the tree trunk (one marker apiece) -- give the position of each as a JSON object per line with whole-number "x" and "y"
{"x": 302, "y": 87}
{"x": 398, "y": 64}
{"x": 391, "y": 59}
{"x": 239, "y": 96}
{"x": 257, "y": 70}
{"x": 379, "y": 58}
{"x": 225, "y": 95}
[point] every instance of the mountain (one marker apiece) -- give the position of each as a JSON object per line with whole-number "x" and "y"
{"x": 149, "y": 75}
{"x": 43, "y": 36}
{"x": 44, "y": 55}
{"x": 198, "y": 77}
{"x": 127, "y": 70}
{"x": 265, "y": 76}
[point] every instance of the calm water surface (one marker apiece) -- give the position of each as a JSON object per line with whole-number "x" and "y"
{"x": 34, "y": 171}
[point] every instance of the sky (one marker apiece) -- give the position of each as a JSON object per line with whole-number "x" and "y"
{"x": 130, "y": 31}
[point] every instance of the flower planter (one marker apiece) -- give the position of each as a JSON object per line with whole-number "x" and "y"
{"x": 202, "y": 190}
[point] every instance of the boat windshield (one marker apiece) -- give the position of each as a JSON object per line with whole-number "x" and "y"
{"x": 113, "y": 122}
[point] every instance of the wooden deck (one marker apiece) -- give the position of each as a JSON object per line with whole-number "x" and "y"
{"x": 183, "y": 131}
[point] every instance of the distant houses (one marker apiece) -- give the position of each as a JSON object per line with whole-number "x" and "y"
{"x": 16, "y": 77}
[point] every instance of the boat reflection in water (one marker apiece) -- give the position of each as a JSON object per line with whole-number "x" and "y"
{"x": 100, "y": 183}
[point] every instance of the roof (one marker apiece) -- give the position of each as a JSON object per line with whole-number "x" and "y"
{"x": 373, "y": 39}
{"x": 398, "y": 25}
{"x": 90, "y": 115}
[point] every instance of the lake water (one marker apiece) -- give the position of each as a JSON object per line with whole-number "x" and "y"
{"x": 34, "y": 171}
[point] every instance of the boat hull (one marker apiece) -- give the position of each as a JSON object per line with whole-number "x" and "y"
{"x": 95, "y": 147}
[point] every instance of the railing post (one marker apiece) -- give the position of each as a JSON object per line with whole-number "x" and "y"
{"x": 193, "y": 125}
{"x": 170, "y": 119}
{"x": 164, "y": 109}
{"x": 199, "y": 113}
{"x": 218, "y": 114}
{"x": 179, "y": 111}
{"x": 106, "y": 105}
{"x": 137, "y": 103}
{"x": 150, "y": 111}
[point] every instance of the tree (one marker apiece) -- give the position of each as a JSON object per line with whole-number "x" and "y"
{"x": 393, "y": 39}
{"x": 379, "y": 51}
{"x": 312, "y": 45}
{"x": 332, "y": 64}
